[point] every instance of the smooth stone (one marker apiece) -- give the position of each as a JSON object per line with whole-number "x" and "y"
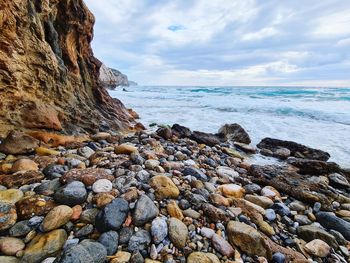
{"x": 270, "y": 214}
{"x": 310, "y": 232}
{"x": 159, "y": 230}
{"x": 139, "y": 241}
{"x": 9, "y": 259}
{"x": 11, "y": 196}
{"x": 44, "y": 245}
{"x": 195, "y": 172}
{"x": 178, "y": 232}
{"x": 262, "y": 201}
{"x": 74, "y": 193}
{"x": 222, "y": 246}
{"x": 125, "y": 234}
{"x": 8, "y": 215}
{"x": 302, "y": 219}
{"x": 10, "y": 245}
{"x": 24, "y": 165}
{"x": 151, "y": 164}
{"x": 89, "y": 215}
{"x": 164, "y": 187}
{"x": 125, "y": 149}
{"x": 110, "y": 241}
{"x": 191, "y": 213}
{"x": 278, "y": 257}
{"x": 112, "y": 216}
{"x": 330, "y": 221}
{"x": 318, "y": 248}
{"x": 248, "y": 239}
{"x": 201, "y": 257}
{"x": 121, "y": 257}
{"x": 252, "y": 188}
{"x": 231, "y": 190}
{"x": 86, "y": 251}
{"x": 145, "y": 211}
{"x": 297, "y": 206}
{"x": 86, "y": 152}
{"x": 18, "y": 143}
{"x": 20, "y": 229}
{"x": 57, "y": 217}
{"x": 84, "y": 231}
{"x": 102, "y": 186}
{"x": 224, "y": 171}
{"x": 53, "y": 171}
{"x": 207, "y": 232}
{"x": 281, "y": 209}
{"x": 174, "y": 210}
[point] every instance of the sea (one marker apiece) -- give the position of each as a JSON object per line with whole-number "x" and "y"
{"x": 316, "y": 117}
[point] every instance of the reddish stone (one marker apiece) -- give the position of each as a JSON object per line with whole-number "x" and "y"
{"x": 21, "y": 178}
{"x": 87, "y": 176}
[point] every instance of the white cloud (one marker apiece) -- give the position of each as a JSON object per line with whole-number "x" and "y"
{"x": 225, "y": 42}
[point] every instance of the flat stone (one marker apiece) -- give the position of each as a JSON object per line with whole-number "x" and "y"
{"x": 309, "y": 233}
{"x": 318, "y": 248}
{"x": 222, "y": 246}
{"x": 201, "y": 257}
{"x": 24, "y": 165}
{"x": 330, "y": 221}
{"x": 88, "y": 176}
{"x": 74, "y": 193}
{"x": 159, "y": 230}
{"x": 10, "y": 245}
{"x": 205, "y": 138}
{"x": 177, "y": 232}
{"x": 86, "y": 251}
{"x": 36, "y": 205}
{"x": 110, "y": 241}
{"x": 102, "y": 186}
{"x": 86, "y": 152}
{"x": 164, "y": 187}
{"x": 112, "y": 216}
{"x": 214, "y": 214}
{"x": 191, "y": 213}
{"x": 145, "y": 211}
{"x": 18, "y": 143}
{"x": 57, "y": 217}
{"x": 11, "y": 196}
{"x": 262, "y": 201}
{"x": 125, "y": 149}
{"x": 44, "y": 245}
{"x": 20, "y": 229}
{"x": 226, "y": 172}
{"x": 195, "y": 172}
{"x": 231, "y": 190}
{"x": 248, "y": 239}
{"x": 21, "y": 178}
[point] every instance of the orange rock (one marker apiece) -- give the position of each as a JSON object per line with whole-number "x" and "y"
{"x": 231, "y": 190}
{"x": 56, "y": 139}
{"x": 174, "y": 210}
{"x": 24, "y": 165}
{"x": 77, "y": 210}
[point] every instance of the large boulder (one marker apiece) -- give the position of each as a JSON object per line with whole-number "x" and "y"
{"x": 234, "y": 132}
{"x": 205, "y": 138}
{"x": 296, "y": 149}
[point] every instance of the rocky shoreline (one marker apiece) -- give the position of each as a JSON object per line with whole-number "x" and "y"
{"x": 170, "y": 195}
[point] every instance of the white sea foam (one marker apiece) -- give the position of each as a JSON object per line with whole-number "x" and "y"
{"x": 317, "y": 117}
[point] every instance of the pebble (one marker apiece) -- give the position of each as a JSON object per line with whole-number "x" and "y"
{"x": 222, "y": 246}
{"x": 178, "y": 232}
{"x": 164, "y": 187}
{"x": 159, "y": 230}
{"x": 112, "y": 216}
{"x": 57, "y": 217}
{"x": 102, "y": 186}
{"x": 145, "y": 210}
{"x": 110, "y": 241}
{"x": 139, "y": 241}
{"x": 318, "y": 248}
{"x": 10, "y": 245}
{"x": 24, "y": 165}
{"x": 74, "y": 193}
{"x": 8, "y": 215}
{"x": 11, "y": 196}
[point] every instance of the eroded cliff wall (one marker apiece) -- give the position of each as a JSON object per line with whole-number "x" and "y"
{"x": 48, "y": 74}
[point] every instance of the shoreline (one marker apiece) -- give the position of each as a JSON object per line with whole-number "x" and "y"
{"x": 171, "y": 195}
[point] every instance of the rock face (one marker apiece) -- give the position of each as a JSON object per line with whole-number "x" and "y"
{"x": 112, "y": 78}
{"x": 48, "y": 74}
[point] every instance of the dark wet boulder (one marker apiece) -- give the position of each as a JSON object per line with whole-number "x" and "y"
{"x": 234, "y": 132}
{"x": 205, "y": 138}
{"x": 314, "y": 167}
{"x": 181, "y": 131}
{"x": 165, "y": 133}
{"x": 331, "y": 221}
{"x": 296, "y": 149}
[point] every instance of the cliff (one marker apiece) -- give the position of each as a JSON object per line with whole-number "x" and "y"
{"x": 49, "y": 78}
{"x": 112, "y": 78}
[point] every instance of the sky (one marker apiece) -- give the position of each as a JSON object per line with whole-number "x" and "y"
{"x": 225, "y": 42}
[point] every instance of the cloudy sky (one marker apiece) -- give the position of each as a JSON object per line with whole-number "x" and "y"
{"x": 225, "y": 42}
